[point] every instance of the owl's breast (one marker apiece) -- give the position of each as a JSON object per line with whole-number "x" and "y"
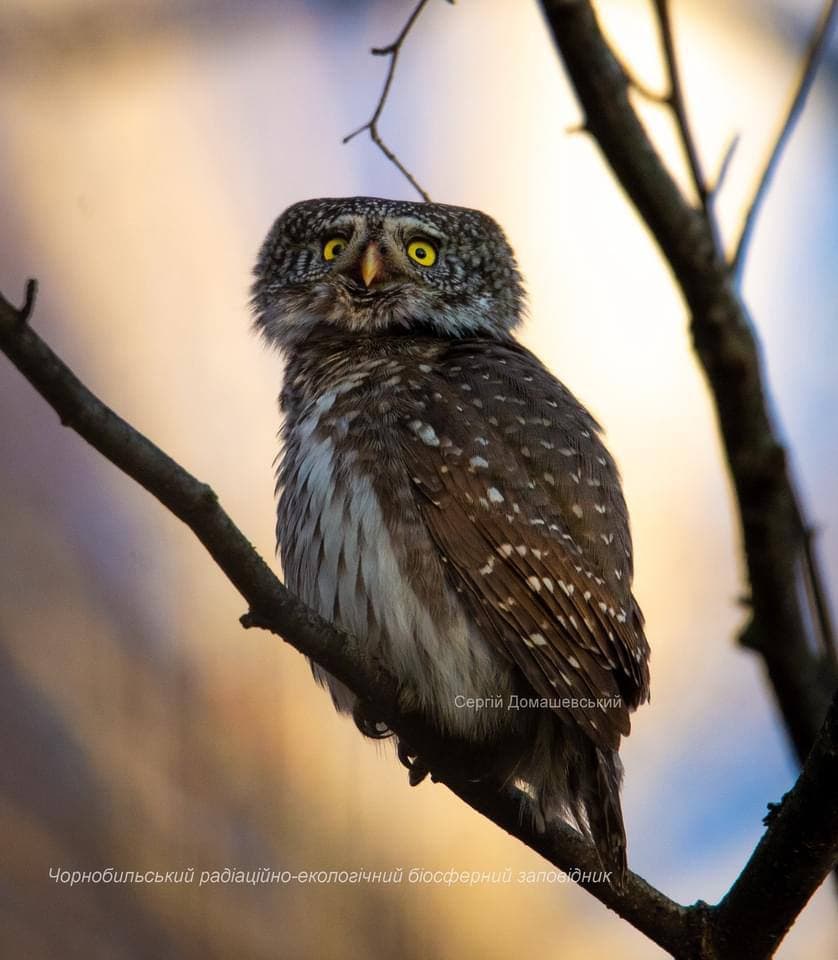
{"x": 355, "y": 548}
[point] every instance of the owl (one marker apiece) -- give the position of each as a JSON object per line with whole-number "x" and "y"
{"x": 443, "y": 497}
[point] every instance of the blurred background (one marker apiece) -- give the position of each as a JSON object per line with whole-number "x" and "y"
{"x": 145, "y": 148}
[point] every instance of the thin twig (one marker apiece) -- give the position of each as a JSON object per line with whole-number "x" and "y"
{"x": 29, "y": 298}
{"x": 676, "y": 101}
{"x": 573, "y": 129}
{"x": 714, "y": 190}
{"x": 645, "y": 91}
{"x": 816, "y": 589}
{"x": 816, "y": 50}
{"x": 724, "y": 166}
{"x": 392, "y": 51}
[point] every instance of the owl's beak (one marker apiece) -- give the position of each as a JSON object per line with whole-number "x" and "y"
{"x": 372, "y": 265}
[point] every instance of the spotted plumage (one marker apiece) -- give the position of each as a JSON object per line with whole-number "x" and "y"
{"x": 446, "y": 499}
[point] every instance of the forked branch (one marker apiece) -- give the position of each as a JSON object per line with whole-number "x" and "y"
{"x": 392, "y": 51}
{"x": 677, "y": 103}
{"x": 803, "y": 675}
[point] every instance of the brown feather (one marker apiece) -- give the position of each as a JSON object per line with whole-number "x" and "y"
{"x": 529, "y": 515}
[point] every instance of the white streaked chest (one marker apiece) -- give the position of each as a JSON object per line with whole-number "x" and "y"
{"x": 340, "y": 557}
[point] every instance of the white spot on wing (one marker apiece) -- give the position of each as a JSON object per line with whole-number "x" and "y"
{"x": 425, "y": 432}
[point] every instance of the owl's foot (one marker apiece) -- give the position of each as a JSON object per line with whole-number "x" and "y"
{"x": 417, "y": 769}
{"x": 374, "y": 729}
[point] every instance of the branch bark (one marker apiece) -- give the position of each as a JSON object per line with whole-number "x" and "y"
{"x": 796, "y": 853}
{"x": 802, "y": 676}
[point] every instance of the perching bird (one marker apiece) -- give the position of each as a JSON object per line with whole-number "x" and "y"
{"x": 445, "y": 499}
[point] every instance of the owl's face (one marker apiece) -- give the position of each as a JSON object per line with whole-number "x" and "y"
{"x": 370, "y": 266}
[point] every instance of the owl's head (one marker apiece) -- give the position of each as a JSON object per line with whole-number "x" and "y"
{"x": 371, "y": 266}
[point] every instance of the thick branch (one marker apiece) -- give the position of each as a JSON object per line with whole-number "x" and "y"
{"x": 274, "y": 608}
{"x": 803, "y": 679}
{"x": 790, "y": 861}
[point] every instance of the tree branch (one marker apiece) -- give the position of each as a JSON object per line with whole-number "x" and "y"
{"x": 676, "y": 102}
{"x": 392, "y": 51}
{"x": 795, "y": 854}
{"x": 803, "y": 678}
{"x": 814, "y": 55}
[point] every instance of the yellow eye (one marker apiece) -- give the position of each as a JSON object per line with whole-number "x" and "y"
{"x": 333, "y": 248}
{"x": 422, "y": 252}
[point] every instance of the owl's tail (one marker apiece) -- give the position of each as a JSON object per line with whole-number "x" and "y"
{"x": 601, "y": 800}
{"x": 572, "y": 779}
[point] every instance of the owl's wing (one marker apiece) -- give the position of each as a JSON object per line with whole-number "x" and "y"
{"x": 524, "y": 504}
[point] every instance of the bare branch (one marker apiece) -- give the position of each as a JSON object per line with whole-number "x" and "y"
{"x": 813, "y": 577}
{"x": 645, "y": 91}
{"x": 392, "y": 51}
{"x": 803, "y": 678}
{"x": 817, "y": 48}
{"x": 797, "y": 851}
{"x": 676, "y": 101}
{"x": 724, "y": 166}
{"x": 29, "y": 297}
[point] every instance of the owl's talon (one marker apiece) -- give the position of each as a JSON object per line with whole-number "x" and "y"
{"x": 417, "y": 770}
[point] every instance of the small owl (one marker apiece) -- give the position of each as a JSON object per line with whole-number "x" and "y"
{"x": 443, "y": 497}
